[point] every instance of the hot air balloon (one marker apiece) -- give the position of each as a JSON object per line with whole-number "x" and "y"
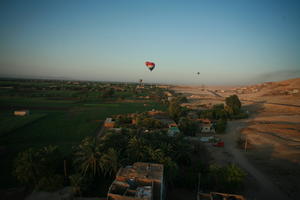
{"x": 150, "y": 65}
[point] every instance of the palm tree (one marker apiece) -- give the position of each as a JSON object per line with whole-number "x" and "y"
{"x": 171, "y": 168}
{"x": 51, "y": 158}
{"x": 110, "y": 162}
{"x": 38, "y": 167}
{"x": 28, "y": 168}
{"x": 156, "y": 155}
{"x": 88, "y": 156}
{"x": 115, "y": 140}
{"x": 136, "y": 149}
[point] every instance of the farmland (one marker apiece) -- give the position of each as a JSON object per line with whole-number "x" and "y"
{"x": 9, "y": 123}
{"x": 61, "y": 113}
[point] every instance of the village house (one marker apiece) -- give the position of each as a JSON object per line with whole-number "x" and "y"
{"x": 117, "y": 88}
{"x": 170, "y": 98}
{"x": 21, "y": 112}
{"x": 154, "y": 112}
{"x": 109, "y": 123}
{"x": 141, "y": 181}
{"x": 172, "y": 131}
{"x": 163, "y": 86}
{"x": 140, "y": 87}
{"x": 133, "y": 121}
{"x": 168, "y": 94}
{"x": 206, "y": 126}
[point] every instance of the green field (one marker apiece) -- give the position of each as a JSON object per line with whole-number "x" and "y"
{"x": 9, "y": 122}
{"x": 53, "y": 121}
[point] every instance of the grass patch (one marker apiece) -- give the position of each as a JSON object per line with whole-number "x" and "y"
{"x": 65, "y": 128}
{"x": 9, "y": 122}
{"x": 101, "y": 104}
{"x": 28, "y": 102}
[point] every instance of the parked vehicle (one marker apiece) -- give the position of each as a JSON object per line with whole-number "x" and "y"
{"x": 219, "y": 144}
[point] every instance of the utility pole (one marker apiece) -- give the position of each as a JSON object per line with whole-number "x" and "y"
{"x": 65, "y": 167}
{"x": 198, "y": 189}
{"x": 246, "y": 143}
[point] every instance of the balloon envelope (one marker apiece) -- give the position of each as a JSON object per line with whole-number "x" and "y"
{"x": 150, "y": 65}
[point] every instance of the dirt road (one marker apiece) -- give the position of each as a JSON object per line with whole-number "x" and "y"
{"x": 267, "y": 189}
{"x": 269, "y": 103}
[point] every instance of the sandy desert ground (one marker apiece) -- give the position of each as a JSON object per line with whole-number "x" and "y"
{"x": 272, "y": 132}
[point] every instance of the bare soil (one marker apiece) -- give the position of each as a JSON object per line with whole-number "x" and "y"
{"x": 272, "y": 159}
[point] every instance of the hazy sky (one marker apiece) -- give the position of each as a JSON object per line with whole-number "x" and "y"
{"x": 228, "y": 42}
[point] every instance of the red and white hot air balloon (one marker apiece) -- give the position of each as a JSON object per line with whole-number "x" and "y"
{"x": 150, "y": 65}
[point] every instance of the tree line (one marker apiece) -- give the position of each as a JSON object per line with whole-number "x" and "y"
{"x": 220, "y": 113}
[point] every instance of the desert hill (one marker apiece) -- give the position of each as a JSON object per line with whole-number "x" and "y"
{"x": 287, "y": 87}
{"x": 282, "y": 92}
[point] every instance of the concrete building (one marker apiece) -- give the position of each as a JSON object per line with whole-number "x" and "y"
{"x": 109, "y": 123}
{"x": 141, "y": 181}
{"x": 170, "y": 98}
{"x": 172, "y": 131}
{"x": 154, "y": 112}
{"x": 21, "y": 112}
{"x": 206, "y": 126}
{"x": 168, "y": 94}
{"x": 163, "y": 86}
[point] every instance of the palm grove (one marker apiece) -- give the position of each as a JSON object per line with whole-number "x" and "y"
{"x": 93, "y": 163}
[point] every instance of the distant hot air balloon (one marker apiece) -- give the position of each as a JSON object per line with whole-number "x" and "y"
{"x": 150, "y": 65}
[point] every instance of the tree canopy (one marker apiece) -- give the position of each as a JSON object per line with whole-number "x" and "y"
{"x": 233, "y": 105}
{"x": 38, "y": 168}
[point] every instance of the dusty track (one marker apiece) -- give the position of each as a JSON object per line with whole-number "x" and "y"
{"x": 269, "y": 103}
{"x": 267, "y": 189}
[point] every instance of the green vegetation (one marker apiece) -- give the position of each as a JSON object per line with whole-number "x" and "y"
{"x": 175, "y": 110}
{"x": 147, "y": 122}
{"x": 98, "y": 159}
{"x": 9, "y": 122}
{"x": 225, "y": 179}
{"x": 187, "y": 126}
{"x": 233, "y": 108}
{"x": 233, "y": 105}
{"x": 38, "y": 168}
{"x": 221, "y": 125}
{"x": 69, "y": 114}
{"x": 62, "y": 113}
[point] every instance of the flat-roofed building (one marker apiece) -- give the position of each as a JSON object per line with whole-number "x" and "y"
{"x": 109, "y": 123}
{"x": 141, "y": 181}
{"x": 21, "y": 112}
{"x": 206, "y": 126}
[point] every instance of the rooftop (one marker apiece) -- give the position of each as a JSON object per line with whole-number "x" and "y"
{"x": 204, "y": 121}
{"x": 141, "y": 181}
{"x": 108, "y": 120}
{"x": 142, "y": 170}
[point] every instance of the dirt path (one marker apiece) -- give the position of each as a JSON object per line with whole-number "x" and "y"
{"x": 267, "y": 189}
{"x": 215, "y": 94}
{"x": 270, "y": 103}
